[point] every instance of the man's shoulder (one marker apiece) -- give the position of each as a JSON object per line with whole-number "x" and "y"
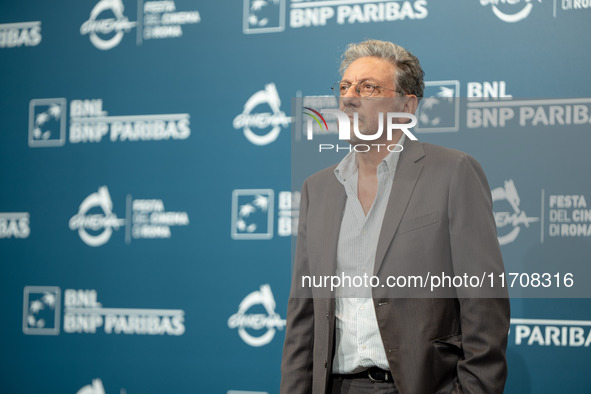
{"x": 438, "y": 156}
{"x": 450, "y": 163}
{"x": 442, "y": 155}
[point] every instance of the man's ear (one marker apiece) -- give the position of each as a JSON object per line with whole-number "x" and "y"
{"x": 411, "y": 104}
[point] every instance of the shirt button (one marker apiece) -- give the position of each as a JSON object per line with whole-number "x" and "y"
{"x": 363, "y": 347}
{"x": 361, "y": 308}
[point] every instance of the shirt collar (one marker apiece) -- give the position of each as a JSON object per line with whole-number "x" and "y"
{"x": 347, "y": 168}
{"x": 348, "y": 165}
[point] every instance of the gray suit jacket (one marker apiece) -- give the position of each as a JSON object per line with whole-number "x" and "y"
{"x": 438, "y": 219}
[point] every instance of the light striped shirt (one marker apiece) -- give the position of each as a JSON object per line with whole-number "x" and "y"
{"x": 358, "y": 344}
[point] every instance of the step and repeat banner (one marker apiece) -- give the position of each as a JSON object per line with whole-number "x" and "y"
{"x": 148, "y": 205}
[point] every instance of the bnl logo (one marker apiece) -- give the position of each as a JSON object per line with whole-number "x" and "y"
{"x": 439, "y": 110}
{"x": 47, "y": 122}
{"x": 263, "y": 16}
{"x": 252, "y": 213}
{"x": 41, "y": 310}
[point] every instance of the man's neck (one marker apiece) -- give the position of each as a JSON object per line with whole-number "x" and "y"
{"x": 369, "y": 161}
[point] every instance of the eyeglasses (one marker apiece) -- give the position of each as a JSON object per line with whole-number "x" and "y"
{"x": 363, "y": 88}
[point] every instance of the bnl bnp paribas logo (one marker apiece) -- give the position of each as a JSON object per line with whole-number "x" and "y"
{"x": 107, "y": 23}
{"x": 96, "y": 220}
{"x": 91, "y": 123}
{"x": 256, "y": 319}
{"x": 509, "y": 217}
{"x": 47, "y": 122}
{"x": 262, "y": 119}
{"x": 439, "y": 110}
{"x": 84, "y": 314}
{"x": 253, "y": 213}
{"x": 41, "y": 310}
{"x": 20, "y": 34}
{"x": 511, "y": 11}
{"x": 269, "y": 16}
{"x": 14, "y": 225}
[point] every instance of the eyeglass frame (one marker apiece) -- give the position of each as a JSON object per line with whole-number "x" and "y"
{"x": 337, "y": 93}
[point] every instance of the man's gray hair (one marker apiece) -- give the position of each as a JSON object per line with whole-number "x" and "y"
{"x": 409, "y": 74}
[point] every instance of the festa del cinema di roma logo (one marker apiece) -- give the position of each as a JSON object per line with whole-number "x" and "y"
{"x": 269, "y": 321}
{"x": 107, "y": 33}
{"x": 513, "y": 220}
{"x": 158, "y": 19}
{"x": 145, "y": 219}
{"x": 344, "y": 128}
{"x": 510, "y": 11}
{"x": 106, "y": 221}
{"x": 269, "y": 124}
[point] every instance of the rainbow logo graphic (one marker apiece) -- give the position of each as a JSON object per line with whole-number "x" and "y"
{"x": 316, "y": 118}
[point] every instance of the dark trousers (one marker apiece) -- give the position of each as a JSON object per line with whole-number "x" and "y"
{"x": 340, "y": 385}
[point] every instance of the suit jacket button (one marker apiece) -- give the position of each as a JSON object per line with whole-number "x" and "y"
{"x": 325, "y": 363}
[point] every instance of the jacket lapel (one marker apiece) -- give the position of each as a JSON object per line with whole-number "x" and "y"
{"x": 335, "y": 193}
{"x": 334, "y": 216}
{"x": 407, "y": 173}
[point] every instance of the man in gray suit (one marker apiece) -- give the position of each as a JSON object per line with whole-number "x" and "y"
{"x": 424, "y": 211}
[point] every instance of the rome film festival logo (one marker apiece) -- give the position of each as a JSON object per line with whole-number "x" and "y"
{"x": 270, "y": 123}
{"x": 89, "y": 225}
{"x": 269, "y": 321}
{"x": 513, "y": 10}
{"x": 514, "y": 219}
{"x": 107, "y": 33}
{"x": 145, "y": 219}
{"x": 95, "y": 388}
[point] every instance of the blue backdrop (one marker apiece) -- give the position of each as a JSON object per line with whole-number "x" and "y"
{"x": 147, "y": 203}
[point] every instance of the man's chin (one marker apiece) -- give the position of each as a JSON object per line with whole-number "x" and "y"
{"x": 355, "y": 141}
